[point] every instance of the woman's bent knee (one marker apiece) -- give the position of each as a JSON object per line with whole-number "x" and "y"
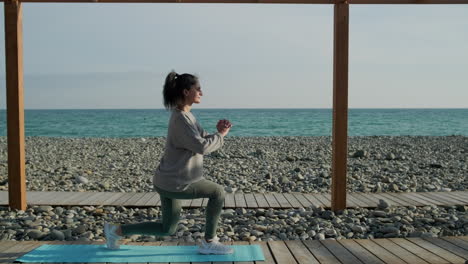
{"x": 220, "y": 194}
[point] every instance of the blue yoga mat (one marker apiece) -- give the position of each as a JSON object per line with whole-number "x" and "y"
{"x": 129, "y": 253}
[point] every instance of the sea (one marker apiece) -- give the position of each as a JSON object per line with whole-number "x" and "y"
{"x": 130, "y": 123}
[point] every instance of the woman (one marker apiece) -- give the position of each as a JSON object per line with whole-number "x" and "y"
{"x": 180, "y": 172}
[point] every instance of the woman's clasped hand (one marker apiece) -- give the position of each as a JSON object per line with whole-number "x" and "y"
{"x": 224, "y": 126}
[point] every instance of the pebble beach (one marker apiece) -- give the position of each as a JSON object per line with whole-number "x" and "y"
{"x": 245, "y": 164}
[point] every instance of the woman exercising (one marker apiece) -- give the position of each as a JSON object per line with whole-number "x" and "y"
{"x": 180, "y": 172}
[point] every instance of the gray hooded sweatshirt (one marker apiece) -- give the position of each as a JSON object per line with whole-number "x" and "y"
{"x": 186, "y": 143}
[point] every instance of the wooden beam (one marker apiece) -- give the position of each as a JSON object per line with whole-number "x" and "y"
{"x": 15, "y": 106}
{"x": 188, "y": 1}
{"x": 386, "y": 2}
{"x": 340, "y": 105}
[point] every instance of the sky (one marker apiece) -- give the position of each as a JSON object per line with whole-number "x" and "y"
{"x": 116, "y": 56}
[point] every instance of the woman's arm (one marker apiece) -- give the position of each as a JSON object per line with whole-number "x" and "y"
{"x": 187, "y": 136}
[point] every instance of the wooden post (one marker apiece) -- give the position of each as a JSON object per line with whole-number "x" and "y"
{"x": 340, "y": 104}
{"x": 15, "y": 105}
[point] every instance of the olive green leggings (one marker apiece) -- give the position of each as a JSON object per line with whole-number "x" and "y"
{"x": 170, "y": 206}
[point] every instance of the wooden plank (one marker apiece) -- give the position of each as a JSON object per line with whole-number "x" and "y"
{"x": 360, "y": 252}
{"x": 34, "y": 196}
{"x": 437, "y": 200}
{"x": 185, "y": 203}
{"x": 156, "y": 199}
{"x": 366, "y": 199}
{"x": 395, "y": 200}
{"x": 196, "y": 202}
{"x": 240, "y": 200}
{"x": 383, "y": 254}
{"x": 324, "y": 199}
{"x": 417, "y": 201}
{"x": 352, "y": 197}
{"x": 399, "y": 251}
{"x": 460, "y": 195}
{"x": 281, "y": 252}
{"x": 457, "y": 241}
{"x": 340, "y": 252}
{"x": 88, "y": 198}
{"x": 442, "y": 198}
{"x": 389, "y": 201}
{"x": 18, "y": 250}
{"x": 229, "y": 201}
{"x": 104, "y": 196}
{"x": 4, "y": 246}
{"x": 71, "y": 197}
{"x": 51, "y": 198}
{"x": 272, "y": 200}
{"x": 370, "y": 197}
{"x": 282, "y": 200}
{"x": 418, "y": 251}
{"x": 449, "y": 246}
{"x": 261, "y": 201}
{"x": 145, "y": 198}
{"x": 351, "y": 202}
{"x": 292, "y": 200}
{"x": 315, "y": 202}
{"x": 266, "y": 252}
{"x": 340, "y": 105}
{"x": 250, "y": 200}
{"x": 15, "y": 104}
{"x": 4, "y": 198}
{"x": 449, "y": 199}
{"x": 300, "y": 252}
{"x": 134, "y": 199}
{"x": 122, "y": 199}
{"x": 402, "y": 200}
{"x": 429, "y": 201}
{"x": 320, "y": 252}
{"x": 38, "y": 198}
{"x": 304, "y": 201}
{"x": 440, "y": 252}
{"x": 205, "y": 202}
{"x": 451, "y": 196}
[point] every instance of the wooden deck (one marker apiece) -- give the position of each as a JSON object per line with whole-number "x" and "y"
{"x": 244, "y": 200}
{"x": 388, "y": 250}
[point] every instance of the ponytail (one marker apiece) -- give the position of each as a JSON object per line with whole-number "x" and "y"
{"x": 174, "y": 86}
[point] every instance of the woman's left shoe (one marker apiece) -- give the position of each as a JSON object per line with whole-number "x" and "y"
{"x": 214, "y": 247}
{"x": 112, "y": 239}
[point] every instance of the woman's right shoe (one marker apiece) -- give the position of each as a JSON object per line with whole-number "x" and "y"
{"x": 112, "y": 239}
{"x": 214, "y": 247}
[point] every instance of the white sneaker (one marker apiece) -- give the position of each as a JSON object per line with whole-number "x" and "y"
{"x": 112, "y": 239}
{"x": 214, "y": 247}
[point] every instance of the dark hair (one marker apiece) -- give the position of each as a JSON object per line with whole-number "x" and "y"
{"x": 174, "y": 86}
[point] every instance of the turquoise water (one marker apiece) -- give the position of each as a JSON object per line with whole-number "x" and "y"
{"x": 247, "y": 122}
